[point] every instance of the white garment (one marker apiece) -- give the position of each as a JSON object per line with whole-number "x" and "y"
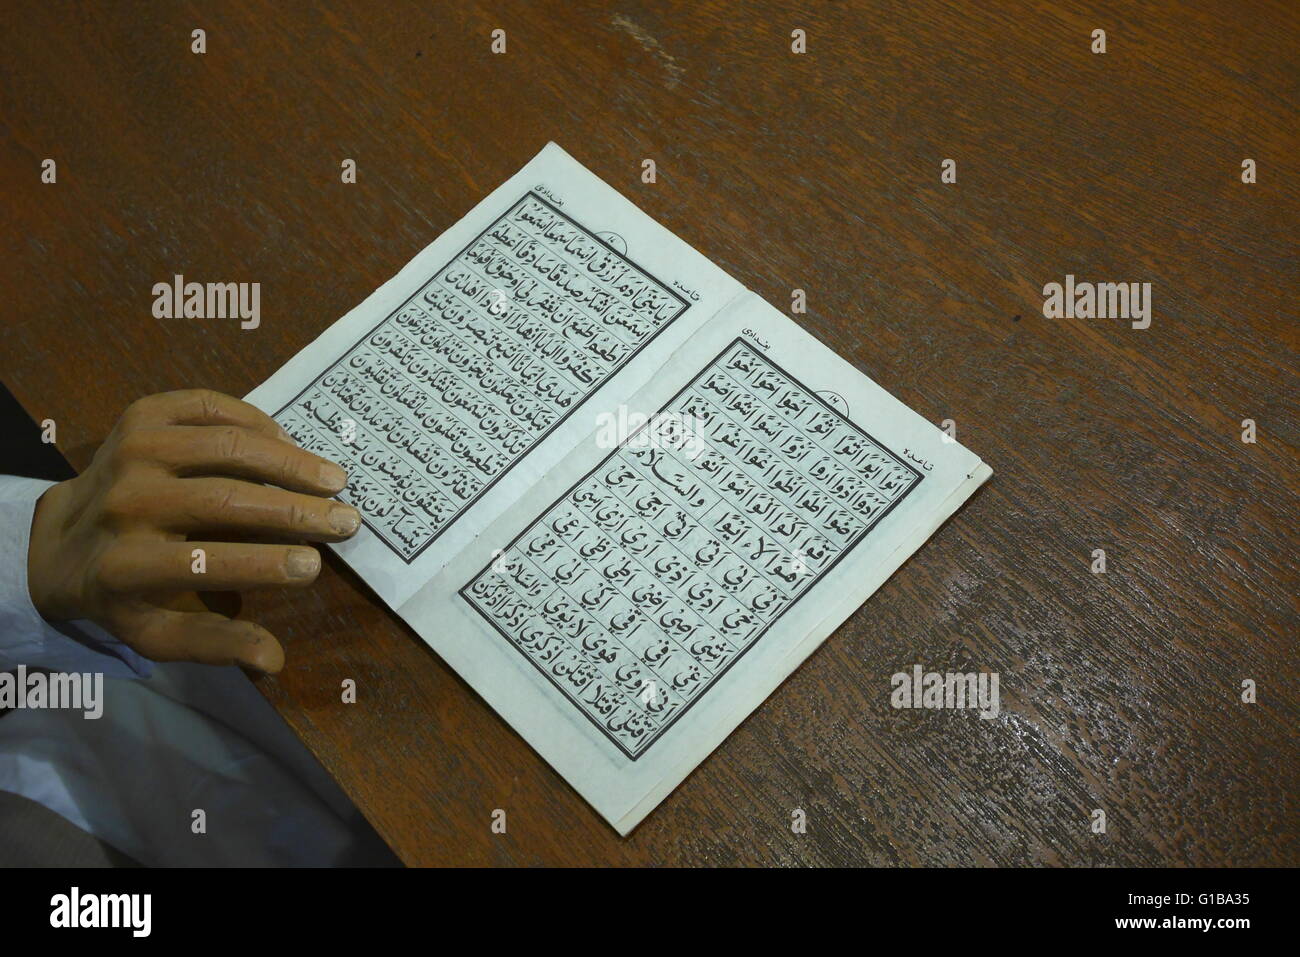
{"x": 173, "y": 739}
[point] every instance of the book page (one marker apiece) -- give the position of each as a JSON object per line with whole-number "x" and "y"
{"x": 460, "y": 382}
{"x": 644, "y": 596}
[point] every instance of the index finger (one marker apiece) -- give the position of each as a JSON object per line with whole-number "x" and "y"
{"x": 222, "y": 450}
{"x": 201, "y": 407}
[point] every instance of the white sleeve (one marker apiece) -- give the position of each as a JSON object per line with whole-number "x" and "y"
{"x": 25, "y": 637}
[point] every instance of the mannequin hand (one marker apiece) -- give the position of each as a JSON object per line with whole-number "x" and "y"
{"x": 181, "y": 471}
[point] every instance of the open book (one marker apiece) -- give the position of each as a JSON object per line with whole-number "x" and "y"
{"x": 619, "y": 493}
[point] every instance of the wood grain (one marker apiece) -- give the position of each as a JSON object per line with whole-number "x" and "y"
{"x": 818, "y": 171}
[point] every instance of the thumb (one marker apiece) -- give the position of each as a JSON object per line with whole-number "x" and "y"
{"x": 202, "y": 636}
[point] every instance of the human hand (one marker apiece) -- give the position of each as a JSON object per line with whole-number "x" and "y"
{"x": 116, "y": 544}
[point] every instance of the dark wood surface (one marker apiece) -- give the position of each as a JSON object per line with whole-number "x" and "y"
{"x": 1119, "y": 691}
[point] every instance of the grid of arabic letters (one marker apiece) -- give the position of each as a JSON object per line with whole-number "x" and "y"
{"x": 638, "y": 588}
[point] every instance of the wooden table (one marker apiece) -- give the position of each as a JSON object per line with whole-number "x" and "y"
{"x": 1120, "y": 691}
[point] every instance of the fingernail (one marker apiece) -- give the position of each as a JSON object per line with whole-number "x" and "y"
{"x": 333, "y": 476}
{"x": 303, "y": 563}
{"x": 345, "y": 519}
